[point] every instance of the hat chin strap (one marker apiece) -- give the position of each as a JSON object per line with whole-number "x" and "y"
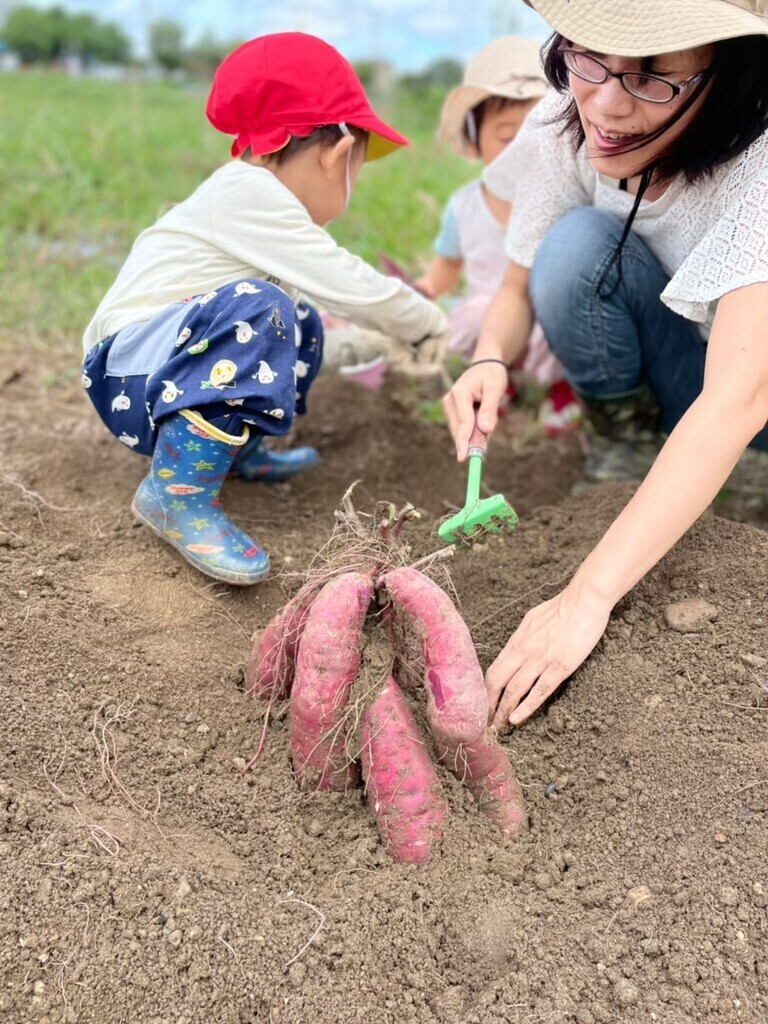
{"x": 348, "y": 174}
{"x": 471, "y": 123}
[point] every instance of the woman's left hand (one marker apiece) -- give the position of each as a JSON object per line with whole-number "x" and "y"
{"x": 548, "y": 646}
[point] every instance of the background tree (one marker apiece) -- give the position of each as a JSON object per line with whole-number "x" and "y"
{"x": 166, "y": 43}
{"x": 111, "y": 44}
{"x": 203, "y": 57}
{"x": 377, "y": 76}
{"x": 44, "y": 35}
{"x": 94, "y": 40}
{"x": 34, "y": 34}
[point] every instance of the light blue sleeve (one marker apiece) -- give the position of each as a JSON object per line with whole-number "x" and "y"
{"x": 448, "y": 241}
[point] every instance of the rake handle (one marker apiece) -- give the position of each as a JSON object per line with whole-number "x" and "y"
{"x": 478, "y": 443}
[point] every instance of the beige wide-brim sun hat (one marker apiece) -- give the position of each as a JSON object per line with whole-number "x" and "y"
{"x": 509, "y": 67}
{"x": 642, "y": 28}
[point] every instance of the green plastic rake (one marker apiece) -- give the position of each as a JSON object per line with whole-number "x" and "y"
{"x": 479, "y": 516}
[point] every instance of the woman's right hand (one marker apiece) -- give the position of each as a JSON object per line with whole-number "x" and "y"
{"x": 475, "y": 397}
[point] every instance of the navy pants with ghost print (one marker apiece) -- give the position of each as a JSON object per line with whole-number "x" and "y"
{"x": 241, "y": 354}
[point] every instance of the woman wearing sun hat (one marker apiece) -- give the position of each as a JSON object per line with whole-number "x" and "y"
{"x": 639, "y": 239}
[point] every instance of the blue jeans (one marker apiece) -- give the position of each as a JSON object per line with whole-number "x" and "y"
{"x": 614, "y": 334}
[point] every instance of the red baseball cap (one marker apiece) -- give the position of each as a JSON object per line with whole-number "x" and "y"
{"x": 286, "y": 84}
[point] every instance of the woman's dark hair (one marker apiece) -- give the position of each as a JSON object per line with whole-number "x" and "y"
{"x": 325, "y": 135}
{"x": 734, "y": 112}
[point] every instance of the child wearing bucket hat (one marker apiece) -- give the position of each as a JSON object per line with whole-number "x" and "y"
{"x": 502, "y": 84}
{"x": 639, "y": 239}
{"x": 206, "y": 342}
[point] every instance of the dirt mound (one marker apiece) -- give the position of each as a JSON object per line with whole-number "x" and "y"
{"x": 148, "y": 880}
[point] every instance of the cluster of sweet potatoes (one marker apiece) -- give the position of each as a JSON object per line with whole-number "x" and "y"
{"x": 312, "y": 651}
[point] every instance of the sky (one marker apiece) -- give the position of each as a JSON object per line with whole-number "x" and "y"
{"x": 408, "y": 33}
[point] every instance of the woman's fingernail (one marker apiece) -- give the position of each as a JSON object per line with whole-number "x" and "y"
{"x": 514, "y": 719}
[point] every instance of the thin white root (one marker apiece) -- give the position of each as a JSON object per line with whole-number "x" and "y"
{"x": 314, "y": 934}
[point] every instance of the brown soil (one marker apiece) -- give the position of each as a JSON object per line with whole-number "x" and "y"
{"x": 148, "y": 880}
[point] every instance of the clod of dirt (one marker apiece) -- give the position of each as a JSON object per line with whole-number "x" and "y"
{"x": 690, "y": 616}
{"x": 729, "y": 897}
{"x": 296, "y": 975}
{"x": 754, "y": 660}
{"x": 184, "y": 889}
{"x": 626, "y": 992}
{"x": 542, "y": 880}
{"x": 639, "y": 895}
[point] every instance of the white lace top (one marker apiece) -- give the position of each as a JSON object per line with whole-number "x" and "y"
{"x": 711, "y": 237}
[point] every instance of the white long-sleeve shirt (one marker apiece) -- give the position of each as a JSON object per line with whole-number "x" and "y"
{"x": 243, "y": 222}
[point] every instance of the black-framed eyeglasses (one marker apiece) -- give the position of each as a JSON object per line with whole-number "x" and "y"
{"x": 651, "y": 88}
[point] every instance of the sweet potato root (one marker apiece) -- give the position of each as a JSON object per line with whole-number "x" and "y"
{"x": 400, "y": 778}
{"x": 457, "y": 702}
{"x": 485, "y": 770}
{"x": 326, "y": 667}
{"x": 271, "y": 666}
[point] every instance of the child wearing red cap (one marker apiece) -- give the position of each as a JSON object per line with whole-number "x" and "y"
{"x": 205, "y": 344}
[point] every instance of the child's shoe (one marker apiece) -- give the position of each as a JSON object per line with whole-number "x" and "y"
{"x": 560, "y": 412}
{"x": 179, "y": 500}
{"x": 254, "y": 461}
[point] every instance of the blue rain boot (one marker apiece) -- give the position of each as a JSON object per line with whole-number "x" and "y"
{"x": 179, "y": 500}
{"x": 255, "y": 461}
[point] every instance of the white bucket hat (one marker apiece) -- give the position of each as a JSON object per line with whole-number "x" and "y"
{"x": 642, "y": 28}
{"x": 509, "y": 67}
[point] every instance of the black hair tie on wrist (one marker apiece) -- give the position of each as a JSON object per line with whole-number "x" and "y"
{"x": 499, "y": 361}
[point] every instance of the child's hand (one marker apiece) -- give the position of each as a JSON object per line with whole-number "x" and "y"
{"x": 432, "y": 349}
{"x": 422, "y": 358}
{"x": 476, "y": 395}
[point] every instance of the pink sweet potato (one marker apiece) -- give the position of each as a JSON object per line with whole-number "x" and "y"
{"x": 326, "y": 667}
{"x": 457, "y": 702}
{"x": 485, "y": 770}
{"x": 271, "y": 666}
{"x": 400, "y": 778}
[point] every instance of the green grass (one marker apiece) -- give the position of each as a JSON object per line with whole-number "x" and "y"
{"x": 86, "y": 165}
